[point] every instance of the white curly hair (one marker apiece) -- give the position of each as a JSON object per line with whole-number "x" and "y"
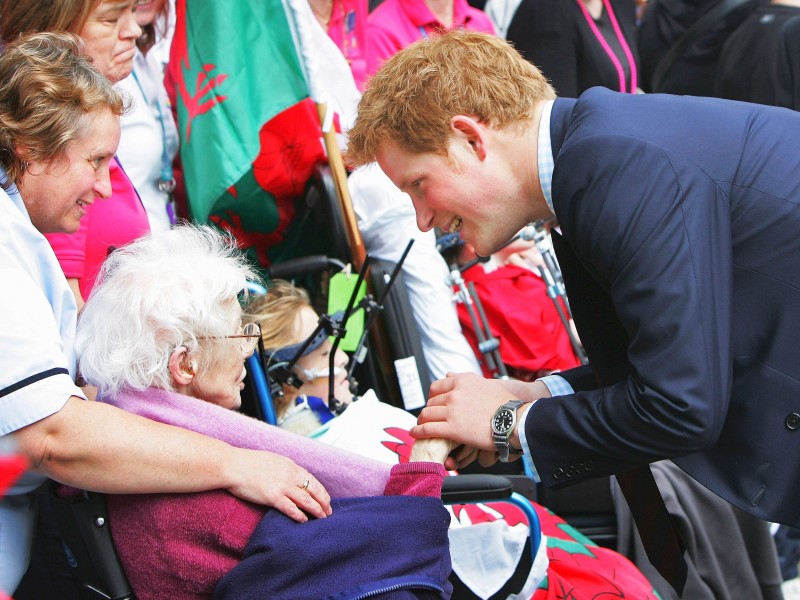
{"x": 153, "y": 295}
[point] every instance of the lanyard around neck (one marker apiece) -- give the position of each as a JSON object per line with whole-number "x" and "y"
{"x": 626, "y": 49}
{"x": 167, "y": 182}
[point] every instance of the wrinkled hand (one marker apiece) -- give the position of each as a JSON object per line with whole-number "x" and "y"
{"x": 432, "y": 450}
{"x": 274, "y": 480}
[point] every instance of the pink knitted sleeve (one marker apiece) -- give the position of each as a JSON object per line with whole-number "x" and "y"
{"x": 415, "y": 479}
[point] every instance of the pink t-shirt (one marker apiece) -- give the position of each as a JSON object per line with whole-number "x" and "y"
{"x": 348, "y": 30}
{"x": 397, "y": 23}
{"x": 108, "y": 224}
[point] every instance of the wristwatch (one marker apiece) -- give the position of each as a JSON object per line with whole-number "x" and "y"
{"x": 503, "y": 423}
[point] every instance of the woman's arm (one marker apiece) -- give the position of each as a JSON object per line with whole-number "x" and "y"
{"x": 98, "y": 447}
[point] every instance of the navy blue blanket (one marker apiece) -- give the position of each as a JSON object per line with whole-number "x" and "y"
{"x": 382, "y": 547}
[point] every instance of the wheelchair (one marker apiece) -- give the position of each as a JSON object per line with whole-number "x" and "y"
{"x": 84, "y": 520}
{"x": 84, "y": 524}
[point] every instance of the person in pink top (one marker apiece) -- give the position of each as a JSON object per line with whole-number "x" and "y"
{"x": 345, "y": 22}
{"x": 109, "y": 32}
{"x": 397, "y": 23}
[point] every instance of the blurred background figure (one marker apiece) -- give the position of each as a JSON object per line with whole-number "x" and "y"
{"x": 149, "y": 140}
{"x": 533, "y": 339}
{"x": 395, "y": 24}
{"x": 577, "y": 44}
{"x": 680, "y": 42}
{"x": 345, "y": 21}
{"x": 286, "y": 319}
{"x": 760, "y": 62}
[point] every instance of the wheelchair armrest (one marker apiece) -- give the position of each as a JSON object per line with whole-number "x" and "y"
{"x": 463, "y": 489}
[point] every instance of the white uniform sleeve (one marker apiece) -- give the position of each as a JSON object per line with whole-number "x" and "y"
{"x": 34, "y": 375}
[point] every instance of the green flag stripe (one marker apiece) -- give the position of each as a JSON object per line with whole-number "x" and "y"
{"x": 243, "y": 70}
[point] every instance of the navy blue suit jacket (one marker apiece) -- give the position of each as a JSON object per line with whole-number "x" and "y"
{"x": 680, "y": 250}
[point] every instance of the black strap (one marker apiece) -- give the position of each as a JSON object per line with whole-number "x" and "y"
{"x": 710, "y": 18}
{"x": 32, "y": 379}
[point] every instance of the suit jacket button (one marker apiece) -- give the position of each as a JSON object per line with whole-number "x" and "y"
{"x": 558, "y": 473}
{"x": 793, "y": 421}
{"x": 571, "y": 471}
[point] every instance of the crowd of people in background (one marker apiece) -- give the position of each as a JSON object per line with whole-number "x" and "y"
{"x": 90, "y": 164}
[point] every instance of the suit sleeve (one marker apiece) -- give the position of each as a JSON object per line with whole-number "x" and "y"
{"x": 649, "y": 274}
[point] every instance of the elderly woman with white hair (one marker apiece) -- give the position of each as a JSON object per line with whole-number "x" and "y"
{"x": 161, "y": 336}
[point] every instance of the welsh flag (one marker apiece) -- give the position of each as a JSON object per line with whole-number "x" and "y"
{"x": 246, "y": 76}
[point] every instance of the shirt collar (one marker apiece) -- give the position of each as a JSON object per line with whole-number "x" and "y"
{"x": 14, "y": 195}
{"x": 545, "y": 155}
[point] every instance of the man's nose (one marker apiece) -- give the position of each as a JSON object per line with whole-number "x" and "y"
{"x": 424, "y": 216}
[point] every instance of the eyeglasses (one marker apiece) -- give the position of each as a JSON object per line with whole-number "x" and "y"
{"x": 251, "y": 333}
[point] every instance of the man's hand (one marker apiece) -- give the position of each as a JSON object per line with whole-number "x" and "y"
{"x": 525, "y": 391}
{"x": 461, "y": 407}
{"x": 274, "y": 480}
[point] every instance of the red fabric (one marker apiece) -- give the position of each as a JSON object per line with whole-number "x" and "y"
{"x": 525, "y": 320}
{"x": 580, "y": 570}
{"x": 290, "y": 148}
{"x": 291, "y": 145}
{"x": 11, "y": 467}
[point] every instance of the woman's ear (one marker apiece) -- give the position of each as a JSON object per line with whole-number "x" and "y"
{"x": 21, "y": 151}
{"x": 181, "y": 367}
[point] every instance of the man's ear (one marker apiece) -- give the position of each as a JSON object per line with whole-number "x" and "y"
{"x": 181, "y": 367}
{"x": 472, "y": 131}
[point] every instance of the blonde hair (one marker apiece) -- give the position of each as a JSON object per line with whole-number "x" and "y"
{"x": 413, "y": 96}
{"x": 278, "y": 314}
{"x": 49, "y": 90}
{"x": 18, "y": 17}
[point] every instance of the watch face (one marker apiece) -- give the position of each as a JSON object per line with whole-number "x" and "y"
{"x": 503, "y": 421}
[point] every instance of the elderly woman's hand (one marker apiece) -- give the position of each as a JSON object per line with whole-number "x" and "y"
{"x": 274, "y": 480}
{"x": 432, "y": 450}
